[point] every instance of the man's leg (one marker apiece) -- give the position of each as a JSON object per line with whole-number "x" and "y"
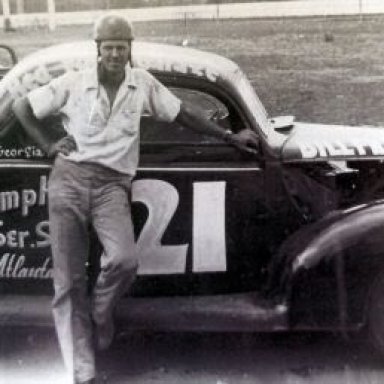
{"x": 69, "y": 239}
{"x": 113, "y": 224}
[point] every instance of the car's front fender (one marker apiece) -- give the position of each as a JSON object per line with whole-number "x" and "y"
{"x": 325, "y": 269}
{"x": 341, "y": 231}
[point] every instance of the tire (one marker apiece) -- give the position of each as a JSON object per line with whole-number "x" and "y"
{"x": 375, "y": 315}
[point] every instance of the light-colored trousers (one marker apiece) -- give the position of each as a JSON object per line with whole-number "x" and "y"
{"x": 80, "y": 195}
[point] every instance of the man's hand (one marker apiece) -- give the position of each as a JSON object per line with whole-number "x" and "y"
{"x": 245, "y": 140}
{"x": 65, "y": 146}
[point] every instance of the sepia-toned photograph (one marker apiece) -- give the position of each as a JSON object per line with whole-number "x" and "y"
{"x": 191, "y": 192}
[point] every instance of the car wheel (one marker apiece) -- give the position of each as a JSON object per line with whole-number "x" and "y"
{"x": 375, "y": 314}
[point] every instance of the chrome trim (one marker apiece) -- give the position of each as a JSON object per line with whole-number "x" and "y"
{"x": 179, "y": 169}
{"x": 145, "y": 169}
{"x": 39, "y": 166}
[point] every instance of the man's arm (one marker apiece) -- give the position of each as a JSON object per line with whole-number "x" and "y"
{"x": 246, "y": 140}
{"x": 23, "y": 111}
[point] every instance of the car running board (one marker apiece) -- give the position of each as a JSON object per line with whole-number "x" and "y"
{"x": 243, "y": 312}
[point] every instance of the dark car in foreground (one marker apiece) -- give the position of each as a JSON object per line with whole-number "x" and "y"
{"x": 289, "y": 239}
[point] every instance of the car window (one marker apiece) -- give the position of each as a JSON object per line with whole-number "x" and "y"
{"x": 206, "y": 104}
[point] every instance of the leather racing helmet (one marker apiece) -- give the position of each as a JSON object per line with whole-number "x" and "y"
{"x": 112, "y": 27}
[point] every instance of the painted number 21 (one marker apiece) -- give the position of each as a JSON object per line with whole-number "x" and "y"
{"x": 208, "y": 228}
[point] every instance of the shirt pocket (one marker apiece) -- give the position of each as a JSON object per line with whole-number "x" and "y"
{"x": 128, "y": 121}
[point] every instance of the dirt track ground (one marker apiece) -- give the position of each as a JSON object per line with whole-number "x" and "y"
{"x": 30, "y": 357}
{"x": 327, "y": 70}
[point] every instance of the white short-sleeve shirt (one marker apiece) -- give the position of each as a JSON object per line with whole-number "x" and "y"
{"x": 104, "y": 134}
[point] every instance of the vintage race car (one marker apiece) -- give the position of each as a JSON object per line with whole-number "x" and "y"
{"x": 289, "y": 239}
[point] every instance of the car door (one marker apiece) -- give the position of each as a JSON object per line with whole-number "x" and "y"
{"x": 199, "y": 208}
{"x": 199, "y": 205}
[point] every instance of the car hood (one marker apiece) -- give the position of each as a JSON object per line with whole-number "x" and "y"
{"x": 319, "y": 142}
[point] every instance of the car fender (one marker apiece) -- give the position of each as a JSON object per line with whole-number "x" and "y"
{"x": 324, "y": 239}
{"x": 319, "y": 265}
{"x": 341, "y": 231}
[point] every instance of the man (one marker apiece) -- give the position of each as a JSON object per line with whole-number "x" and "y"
{"x": 91, "y": 180}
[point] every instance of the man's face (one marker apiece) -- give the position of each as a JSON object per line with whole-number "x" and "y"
{"x": 114, "y": 55}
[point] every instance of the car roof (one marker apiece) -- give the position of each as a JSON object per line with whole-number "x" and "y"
{"x": 39, "y": 67}
{"x": 151, "y": 56}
